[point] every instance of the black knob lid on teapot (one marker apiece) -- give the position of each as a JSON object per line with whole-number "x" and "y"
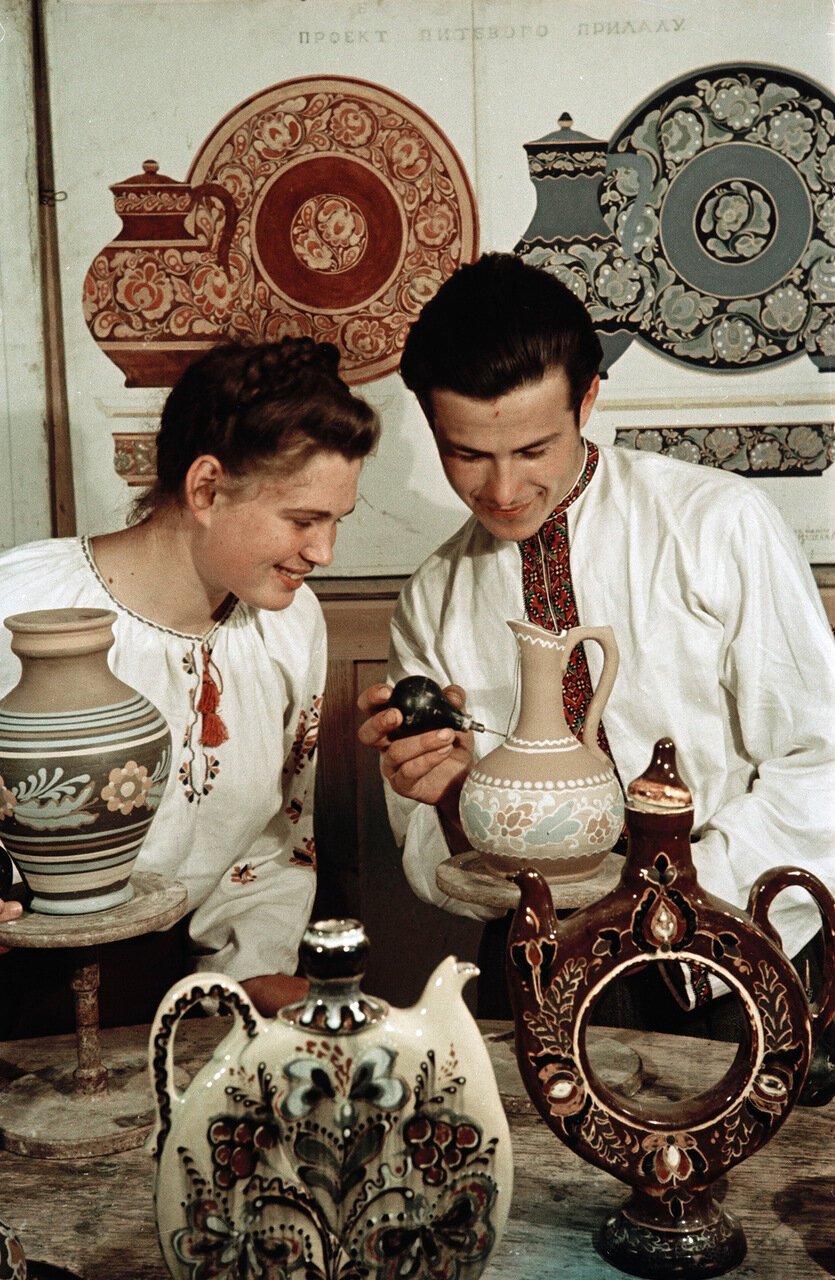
{"x": 334, "y": 950}
{"x": 333, "y": 956}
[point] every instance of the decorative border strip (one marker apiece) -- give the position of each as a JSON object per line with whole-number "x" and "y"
{"x": 135, "y": 456}
{"x": 789, "y": 449}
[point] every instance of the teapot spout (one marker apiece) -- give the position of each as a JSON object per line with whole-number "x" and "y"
{"x": 446, "y": 983}
{"x": 532, "y": 942}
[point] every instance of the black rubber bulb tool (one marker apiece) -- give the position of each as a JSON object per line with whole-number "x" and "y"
{"x": 423, "y": 706}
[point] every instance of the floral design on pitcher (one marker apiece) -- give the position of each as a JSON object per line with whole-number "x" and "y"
{"x": 390, "y": 1179}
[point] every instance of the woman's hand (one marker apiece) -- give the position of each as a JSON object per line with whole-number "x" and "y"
{"x": 427, "y": 767}
{"x": 272, "y": 991}
{"x": 9, "y": 911}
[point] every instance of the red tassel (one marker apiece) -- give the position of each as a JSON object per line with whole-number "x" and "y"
{"x": 213, "y": 731}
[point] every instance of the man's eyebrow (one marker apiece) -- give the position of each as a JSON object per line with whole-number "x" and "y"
{"x": 531, "y": 444}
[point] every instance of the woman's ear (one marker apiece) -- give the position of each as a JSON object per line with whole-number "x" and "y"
{"x": 202, "y": 483}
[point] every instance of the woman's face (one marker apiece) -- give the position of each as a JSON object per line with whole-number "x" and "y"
{"x": 260, "y": 539}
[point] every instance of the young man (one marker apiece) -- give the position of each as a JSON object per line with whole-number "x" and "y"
{"x": 724, "y": 645}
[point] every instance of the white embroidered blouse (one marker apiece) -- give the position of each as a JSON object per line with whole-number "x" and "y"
{"x": 235, "y": 824}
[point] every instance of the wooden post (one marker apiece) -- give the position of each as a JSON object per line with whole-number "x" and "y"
{"x": 62, "y": 498}
{"x": 90, "y": 1076}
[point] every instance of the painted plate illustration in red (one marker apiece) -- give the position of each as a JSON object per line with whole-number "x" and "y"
{"x": 324, "y": 206}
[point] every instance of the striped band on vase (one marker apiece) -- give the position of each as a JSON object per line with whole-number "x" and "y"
{"x": 84, "y": 760}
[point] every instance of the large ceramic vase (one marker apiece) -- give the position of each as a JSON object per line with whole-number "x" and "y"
{"x": 341, "y": 1139}
{"x": 544, "y": 799}
{"x": 671, "y": 1153}
{"x": 84, "y": 760}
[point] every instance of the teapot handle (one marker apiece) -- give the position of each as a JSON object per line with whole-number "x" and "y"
{"x": 605, "y": 637}
{"x": 215, "y": 191}
{"x": 763, "y": 892}
{"x": 184, "y": 995}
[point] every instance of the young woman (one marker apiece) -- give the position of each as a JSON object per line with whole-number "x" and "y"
{"x": 258, "y": 457}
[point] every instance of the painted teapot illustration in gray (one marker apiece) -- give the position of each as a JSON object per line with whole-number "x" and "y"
{"x": 702, "y": 228}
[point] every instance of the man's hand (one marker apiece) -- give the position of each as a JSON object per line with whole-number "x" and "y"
{"x": 272, "y": 991}
{"x": 427, "y": 767}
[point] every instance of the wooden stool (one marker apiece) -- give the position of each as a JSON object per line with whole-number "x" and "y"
{"x": 93, "y": 1109}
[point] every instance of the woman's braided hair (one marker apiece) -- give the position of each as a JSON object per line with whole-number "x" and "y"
{"x": 273, "y": 405}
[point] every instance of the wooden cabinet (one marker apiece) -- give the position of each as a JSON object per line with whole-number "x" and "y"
{"x": 360, "y": 870}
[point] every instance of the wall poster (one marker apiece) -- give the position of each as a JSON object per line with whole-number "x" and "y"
{"x": 675, "y": 165}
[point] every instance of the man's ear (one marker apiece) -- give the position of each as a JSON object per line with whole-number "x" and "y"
{"x": 587, "y": 403}
{"x": 425, "y": 403}
{"x": 203, "y": 480}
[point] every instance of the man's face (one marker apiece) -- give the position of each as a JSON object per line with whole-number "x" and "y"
{"x": 512, "y": 459}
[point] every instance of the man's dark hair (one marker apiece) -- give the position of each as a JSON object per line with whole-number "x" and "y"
{"x": 497, "y": 324}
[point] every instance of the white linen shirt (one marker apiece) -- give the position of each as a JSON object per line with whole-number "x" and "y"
{"x": 724, "y": 647}
{"x": 235, "y": 823}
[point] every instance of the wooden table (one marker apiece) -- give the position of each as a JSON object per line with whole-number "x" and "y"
{"x": 95, "y": 1217}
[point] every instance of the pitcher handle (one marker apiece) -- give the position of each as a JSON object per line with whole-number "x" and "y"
{"x": 763, "y": 892}
{"x": 230, "y": 221}
{"x": 605, "y": 637}
{"x": 184, "y": 995}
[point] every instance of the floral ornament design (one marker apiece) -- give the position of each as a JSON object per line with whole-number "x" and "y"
{"x": 329, "y": 234}
{"x": 439, "y": 1239}
{"x": 382, "y": 1193}
{"x": 343, "y": 203}
{"x": 51, "y": 801}
{"x": 306, "y": 737}
{"x": 716, "y": 239}
{"x": 257, "y": 1241}
{"x": 235, "y": 1145}
{"x": 671, "y": 1157}
{"x": 128, "y": 788}
{"x": 304, "y": 855}
{"x": 555, "y": 827}
{"x": 534, "y": 957}
{"x": 372, "y": 1081}
{"x": 439, "y": 1145}
{"x": 802, "y": 449}
{"x": 563, "y": 1088}
{"x": 243, "y": 875}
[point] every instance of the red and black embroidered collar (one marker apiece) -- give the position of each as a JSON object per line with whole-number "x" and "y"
{"x": 549, "y": 595}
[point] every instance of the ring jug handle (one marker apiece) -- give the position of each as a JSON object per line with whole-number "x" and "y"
{"x": 605, "y": 637}
{"x": 763, "y": 892}
{"x": 214, "y": 190}
{"x": 184, "y": 995}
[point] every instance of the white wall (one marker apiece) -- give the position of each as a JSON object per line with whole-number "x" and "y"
{"x": 24, "y": 465}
